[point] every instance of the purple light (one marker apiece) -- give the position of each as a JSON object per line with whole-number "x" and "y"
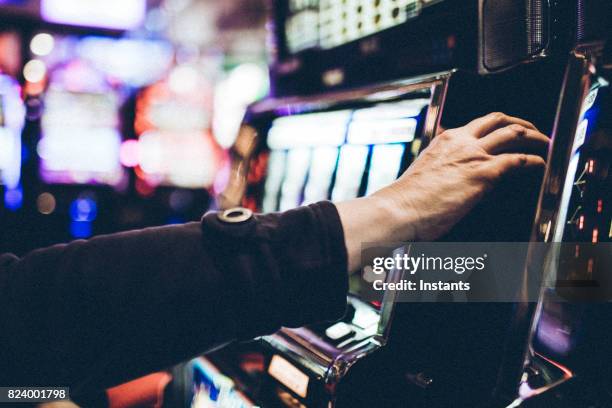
{"x": 113, "y": 14}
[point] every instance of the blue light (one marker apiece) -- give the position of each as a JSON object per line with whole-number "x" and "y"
{"x": 13, "y": 198}
{"x": 25, "y": 154}
{"x": 80, "y": 229}
{"x": 175, "y": 219}
{"x": 83, "y": 209}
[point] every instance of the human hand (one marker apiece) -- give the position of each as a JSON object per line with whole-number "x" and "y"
{"x": 456, "y": 170}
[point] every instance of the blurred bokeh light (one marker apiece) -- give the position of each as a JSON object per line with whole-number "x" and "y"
{"x": 119, "y": 114}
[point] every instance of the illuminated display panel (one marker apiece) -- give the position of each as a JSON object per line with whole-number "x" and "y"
{"x": 213, "y": 389}
{"x": 302, "y": 25}
{"x": 312, "y": 129}
{"x": 274, "y": 181}
{"x": 88, "y": 80}
{"x": 296, "y": 142}
{"x": 123, "y": 58}
{"x": 289, "y": 375}
{"x": 318, "y": 156}
{"x": 113, "y": 14}
{"x": 343, "y": 22}
{"x": 12, "y": 114}
{"x": 175, "y": 147}
{"x": 327, "y": 24}
{"x": 185, "y": 159}
{"x": 386, "y": 123}
{"x": 351, "y": 166}
{"x": 298, "y": 162}
{"x": 385, "y": 165}
{"x": 324, "y": 160}
{"x": 80, "y": 138}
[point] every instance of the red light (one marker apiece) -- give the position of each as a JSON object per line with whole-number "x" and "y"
{"x": 581, "y": 222}
{"x": 590, "y": 166}
{"x": 590, "y": 266}
{"x": 595, "y": 236}
{"x": 599, "y": 206}
{"x": 143, "y": 188}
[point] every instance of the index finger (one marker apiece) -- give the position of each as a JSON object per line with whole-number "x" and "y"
{"x": 484, "y": 125}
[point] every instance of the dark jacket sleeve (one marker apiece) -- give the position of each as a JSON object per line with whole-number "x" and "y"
{"x": 91, "y": 314}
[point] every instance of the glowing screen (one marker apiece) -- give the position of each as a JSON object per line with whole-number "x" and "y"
{"x": 330, "y": 23}
{"x": 12, "y": 117}
{"x": 276, "y": 170}
{"x": 113, "y": 14}
{"x": 384, "y": 167}
{"x": 321, "y": 172}
{"x": 298, "y": 161}
{"x": 351, "y": 167}
{"x": 325, "y": 155}
{"x": 80, "y": 140}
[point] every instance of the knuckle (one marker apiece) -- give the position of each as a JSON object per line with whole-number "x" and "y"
{"x": 518, "y": 129}
{"x": 496, "y": 173}
{"x": 445, "y": 136}
{"x": 520, "y": 160}
{"x": 497, "y": 116}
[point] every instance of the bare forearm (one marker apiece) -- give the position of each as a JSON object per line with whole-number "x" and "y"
{"x": 373, "y": 219}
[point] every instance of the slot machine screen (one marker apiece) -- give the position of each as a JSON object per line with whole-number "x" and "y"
{"x": 213, "y": 389}
{"x": 385, "y": 166}
{"x": 276, "y": 169}
{"x": 12, "y": 117}
{"x": 89, "y": 80}
{"x": 351, "y": 166}
{"x": 319, "y": 177}
{"x": 80, "y": 138}
{"x": 298, "y": 161}
{"x": 340, "y": 155}
{"x": 113, "y": 14}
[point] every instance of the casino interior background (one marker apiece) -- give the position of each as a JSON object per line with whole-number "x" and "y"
{"x": 123, "y": 114}
{"x": 126, "y": 111}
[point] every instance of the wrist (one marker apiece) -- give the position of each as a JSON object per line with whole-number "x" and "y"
{"x": 397, "y": 216}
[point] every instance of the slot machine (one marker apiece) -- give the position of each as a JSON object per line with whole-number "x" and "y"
{"x": 563, "y": 333}
{"x": 12, "y": 117}
{"x": 175, "y": 156}
{"x": 359, "y": 90}
{"x": 81, "y": 112}
{"x": 78, "y": 167}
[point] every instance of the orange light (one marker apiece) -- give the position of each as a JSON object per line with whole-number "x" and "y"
{"x": 591, "y": 166}
{"x": 581, "y": 222}
{"x": 595, "y": 236}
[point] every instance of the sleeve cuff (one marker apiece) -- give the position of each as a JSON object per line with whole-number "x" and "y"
{"x": 314, "y": 264}
{"x": 288, "y": 269}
